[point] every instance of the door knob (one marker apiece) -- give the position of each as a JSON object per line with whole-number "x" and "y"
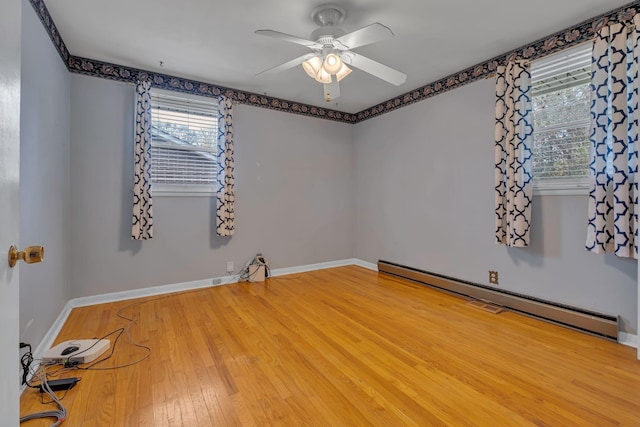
{"x": 30, "y": 255}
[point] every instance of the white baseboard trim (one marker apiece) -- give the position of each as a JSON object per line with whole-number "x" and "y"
{"x": 152, "y": 291}
{"x": 628, "y": 339}
{"x": 53, "y": 332}
{"x": 365, "y": 264}
{"x": 321, "y": 266}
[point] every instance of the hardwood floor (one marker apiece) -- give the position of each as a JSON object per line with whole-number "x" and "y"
{"x": 338, "y": 347}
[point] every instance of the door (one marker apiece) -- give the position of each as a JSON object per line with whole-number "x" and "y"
{"x": 10, "y": 19}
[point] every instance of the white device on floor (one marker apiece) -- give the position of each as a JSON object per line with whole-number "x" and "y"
{"x": 76, "y": 351}
{"x": 257, "y": 268}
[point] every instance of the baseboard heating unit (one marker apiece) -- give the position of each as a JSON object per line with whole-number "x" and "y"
{"x": 600, "y": 324}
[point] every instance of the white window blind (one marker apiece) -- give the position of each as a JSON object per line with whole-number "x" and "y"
{"x": 560, "y": 102}
{"x": 183, "y": 143}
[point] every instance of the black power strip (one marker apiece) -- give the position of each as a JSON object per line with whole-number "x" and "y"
{"x": 61, "y": 384}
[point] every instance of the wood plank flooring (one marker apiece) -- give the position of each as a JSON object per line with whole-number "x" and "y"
{"x": 340, "y": 347}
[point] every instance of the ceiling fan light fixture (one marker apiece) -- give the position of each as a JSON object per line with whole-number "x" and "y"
{"x": 333, "y": 53}
{"x": 312, "y": 66}
{"x": 332, "y": 63}
{"x": 323, "y": 76}
{"x": 343, "y": 72}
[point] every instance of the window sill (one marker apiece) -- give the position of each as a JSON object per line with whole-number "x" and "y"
{"x": 561, "y": 188}
{"x": 182, "y": 191}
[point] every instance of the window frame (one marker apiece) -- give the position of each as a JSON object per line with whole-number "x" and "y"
{"x": 559, "y": 186}
{"x": 182, "y": 190}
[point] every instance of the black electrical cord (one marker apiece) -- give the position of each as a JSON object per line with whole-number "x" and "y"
{"x": 120, "y": 331}
{"x": 26, "y": 361}
{"x": 259, "y": 260}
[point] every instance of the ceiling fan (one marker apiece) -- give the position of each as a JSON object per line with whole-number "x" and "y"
{"x": 332, "y": 52}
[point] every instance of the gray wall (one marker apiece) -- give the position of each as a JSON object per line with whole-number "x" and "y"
{"x": 293, "y": 197}
{"x": 424, "y": 198}
{"x": 44, "y": 179}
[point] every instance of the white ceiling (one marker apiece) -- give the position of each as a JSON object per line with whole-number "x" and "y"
{"x": 214, "y": 41}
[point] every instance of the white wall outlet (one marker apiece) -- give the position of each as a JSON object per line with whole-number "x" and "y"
{"x": 230, "y": 267}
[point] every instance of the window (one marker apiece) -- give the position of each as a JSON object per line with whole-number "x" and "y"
{"x": 560, "y": 103}
{"x": 184, "y": 129}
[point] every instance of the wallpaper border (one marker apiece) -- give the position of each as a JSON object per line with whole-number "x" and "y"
{"x": 91, "y": 67}
{"x": 51, "y": 29}
{"x": 571, "y": 36}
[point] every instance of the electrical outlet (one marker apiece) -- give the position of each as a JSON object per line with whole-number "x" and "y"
{"x": 230, "y": 267}
{"x": 216, "y": 281}
{"x": 493, "y": 277}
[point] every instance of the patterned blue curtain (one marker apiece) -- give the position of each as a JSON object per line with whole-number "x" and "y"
{"x": 225, "y": 200}
{"x": 613, "y": 198}
{"x": 142, "y": 227}
{"x": 513, "y": 137}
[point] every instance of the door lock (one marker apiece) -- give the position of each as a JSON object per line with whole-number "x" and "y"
{"x": 30, "y": 255}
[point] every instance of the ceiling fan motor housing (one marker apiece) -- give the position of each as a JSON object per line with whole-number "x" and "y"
{"x": 328, "y": 15}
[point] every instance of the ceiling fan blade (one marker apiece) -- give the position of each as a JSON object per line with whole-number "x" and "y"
{"x": 289, "y": 38}
{"x": 375, "y": 68}
{"x": 370, "y": 34}
{"x": 287, "y": 65}
{"x": 331, "y": 90}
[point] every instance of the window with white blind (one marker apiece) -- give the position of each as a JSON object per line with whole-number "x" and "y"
{"x": 183, "y": 144}
{"x": 560, "y": 103}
